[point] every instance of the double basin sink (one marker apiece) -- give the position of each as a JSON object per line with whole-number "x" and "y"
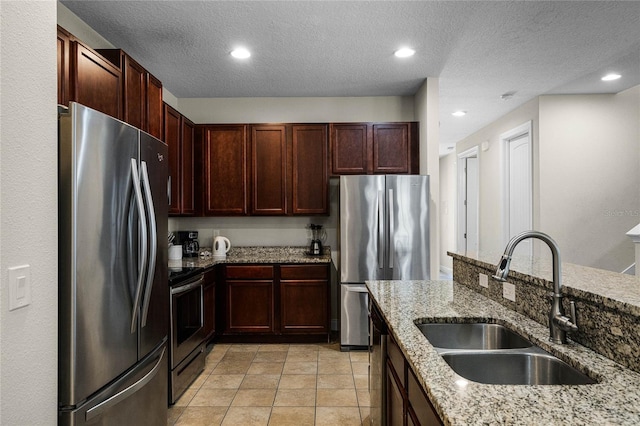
{"x": 493, "y": 354}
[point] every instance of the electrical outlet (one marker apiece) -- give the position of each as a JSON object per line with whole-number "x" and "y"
{"x": 483, "y": 280}
{"x": 509, "y": 291}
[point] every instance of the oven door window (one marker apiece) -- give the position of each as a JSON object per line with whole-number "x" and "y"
{"x": 188, "y": 317}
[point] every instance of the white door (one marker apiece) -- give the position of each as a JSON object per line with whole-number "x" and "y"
{"x": 518, "y": 186}
{"x": 468, "y": 198}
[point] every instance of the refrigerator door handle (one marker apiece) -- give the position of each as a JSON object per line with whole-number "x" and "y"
{"x": 100, "y": 408}
{"x": 380, "y": 203}
{"x": 153, "y": 231}
{"x": 143, "y": 239}
{"x": 391, "y": 229}
{"x": 169, "y": 190}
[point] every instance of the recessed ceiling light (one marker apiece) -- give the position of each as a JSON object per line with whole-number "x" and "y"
{"x": 405, "y": 52}
{"x": 611, "y": 77}
{"x": 459, "y": 113}
{"x": 240, "y": 53}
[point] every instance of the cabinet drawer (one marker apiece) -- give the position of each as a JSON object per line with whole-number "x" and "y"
{"x": 397, "y": 359}
{"x": 304, "y": 272}
{"x": 250, "y": 272}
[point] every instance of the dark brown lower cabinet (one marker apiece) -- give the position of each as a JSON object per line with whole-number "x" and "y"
{"x": 407, "y": 403}
{"x": 276, "y": 303}
{"x": 209, "y": 304}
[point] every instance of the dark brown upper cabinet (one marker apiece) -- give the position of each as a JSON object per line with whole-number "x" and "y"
{"x": 310, "y": 171}
{"x": 84, "y": 76}
{"x": 179, "y": 136}
{"x": 141, "y": 93}
{"x": 374, "y": 148}
{"x": 224, "y": 169}
{"x": 268, "y": 170}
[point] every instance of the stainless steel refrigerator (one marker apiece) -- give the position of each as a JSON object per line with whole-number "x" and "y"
{"x": 384, "y": 235}
{"x": 113, "y": 286}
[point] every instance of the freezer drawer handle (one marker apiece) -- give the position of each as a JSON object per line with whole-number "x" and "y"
{"x": 357, "y": 289}
{"x": 143, "y": 239}
{"x": 125, "y": 393}
{"x": 153, "y": 231}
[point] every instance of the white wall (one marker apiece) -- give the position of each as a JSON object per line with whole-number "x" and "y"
{"x": 28, "y": 200}
{"x": 590, "y": 180}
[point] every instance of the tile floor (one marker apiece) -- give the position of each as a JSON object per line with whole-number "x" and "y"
{"x": 277, "y": 384}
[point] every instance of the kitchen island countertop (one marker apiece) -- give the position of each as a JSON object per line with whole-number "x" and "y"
{"x": 614, "y": 400}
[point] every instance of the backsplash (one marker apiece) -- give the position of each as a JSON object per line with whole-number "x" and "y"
{"x": 607, "y": 325}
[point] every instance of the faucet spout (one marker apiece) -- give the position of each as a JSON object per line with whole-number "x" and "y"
{"x": 559, "y": 324}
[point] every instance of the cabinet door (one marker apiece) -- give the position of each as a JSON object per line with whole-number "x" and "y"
{"x": 395, "y": 399}
{"x": 310, "y": 183}
{"x": 96, "y": 82}
{"x": 135, "y": 93}
{"x": 304, "y": 299}
{"x": 172, "y": 139}
{"x": 187, "y": 164}
{"x": 349, "y": 149}
{"x": 64, "y": 54}
{"x": 422, "y": 410}
{"x": 268, "y": 170}
{"x": 391, "y": 148}
{"x": 250, "y": 306}
{"x": 225, "y": 170}
{"x": 154, "y": 106}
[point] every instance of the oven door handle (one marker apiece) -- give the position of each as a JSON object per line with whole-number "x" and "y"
{"x": 188, "y": 286}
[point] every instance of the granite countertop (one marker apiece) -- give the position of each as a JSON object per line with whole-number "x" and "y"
{"x": 273, "y": 254}
{"x": 614, "y": 400}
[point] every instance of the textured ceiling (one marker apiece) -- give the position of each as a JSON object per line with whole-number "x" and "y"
{"x": 478, "y": 49}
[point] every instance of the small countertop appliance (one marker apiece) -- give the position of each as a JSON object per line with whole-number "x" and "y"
{"x": 189, "y": 242}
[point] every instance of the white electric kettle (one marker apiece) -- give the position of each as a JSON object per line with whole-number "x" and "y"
{"x": 221, "y": 246}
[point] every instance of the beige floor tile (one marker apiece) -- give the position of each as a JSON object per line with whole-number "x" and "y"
{"x": 213, "y": 398}
{"x": 173, "y": 414}
{"x": 297, "y": 381}
{"x": 275, "y": 356}
{"x": 295, "y": 398}
{"x": 303, "y": 348}
{"x": 360, "y": 368}
{"x": 361, "y": 381}
{"x": 254, "y": 398}
{"x": 186, "y": 397}
{"x": 223, "y": 381}
{"x": 238, "y": 356}
{"x": 232, "y": 367}
{"x": 202, "y": 416}
{"x": 365, "y": 415}
{"x": 333, "y": 416}
{"x": 197, "y": 383}
{"x": 274, "y": 347}
{"x": 247, "y": 416}
{"x": 265, "y": 368}
{"x": 359, "y": 356}
{"x": 339, "y": 366}
{"x": 292, "y": 416}
{"x": 215, "y": 355}
{"x": 243, "y": 348}
{"x": 302, "y": 356}
{"x": 300, "y": 367}
{"x": 331, "y": 355}
{"x": 335, "y": 381}
{"x": 260, "y": 381}
{"x": 209, "y": 367}
{"x": 336, "y": 398}
{"x": 364, "y": 400}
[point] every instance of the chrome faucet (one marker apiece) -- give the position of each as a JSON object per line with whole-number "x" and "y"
{"x": 559, "y": 324}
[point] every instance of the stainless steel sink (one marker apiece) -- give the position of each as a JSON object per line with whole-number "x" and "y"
{"x": 472, "y": 336}
{"x": 493, "y": 354}
{"x": 520, "y": 368}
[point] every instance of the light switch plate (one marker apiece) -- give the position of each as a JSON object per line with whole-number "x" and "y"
{"x": 483, "y": 280}
{"x": 509, "y": 291}
{"x": 19, "y": 287}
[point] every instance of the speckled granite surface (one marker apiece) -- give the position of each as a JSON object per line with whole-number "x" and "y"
{"x": 615, "y": 400}
{"x": 257, "y": 255}
{"x": 607, "y": 303}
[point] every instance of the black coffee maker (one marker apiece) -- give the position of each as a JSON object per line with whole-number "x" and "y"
{"x": 315, "y": 249}
{"x": 189, "y": 242}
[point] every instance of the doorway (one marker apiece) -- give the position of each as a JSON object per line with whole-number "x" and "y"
{"x": 468, "y": 202}
{"x": 517, "y": 191}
